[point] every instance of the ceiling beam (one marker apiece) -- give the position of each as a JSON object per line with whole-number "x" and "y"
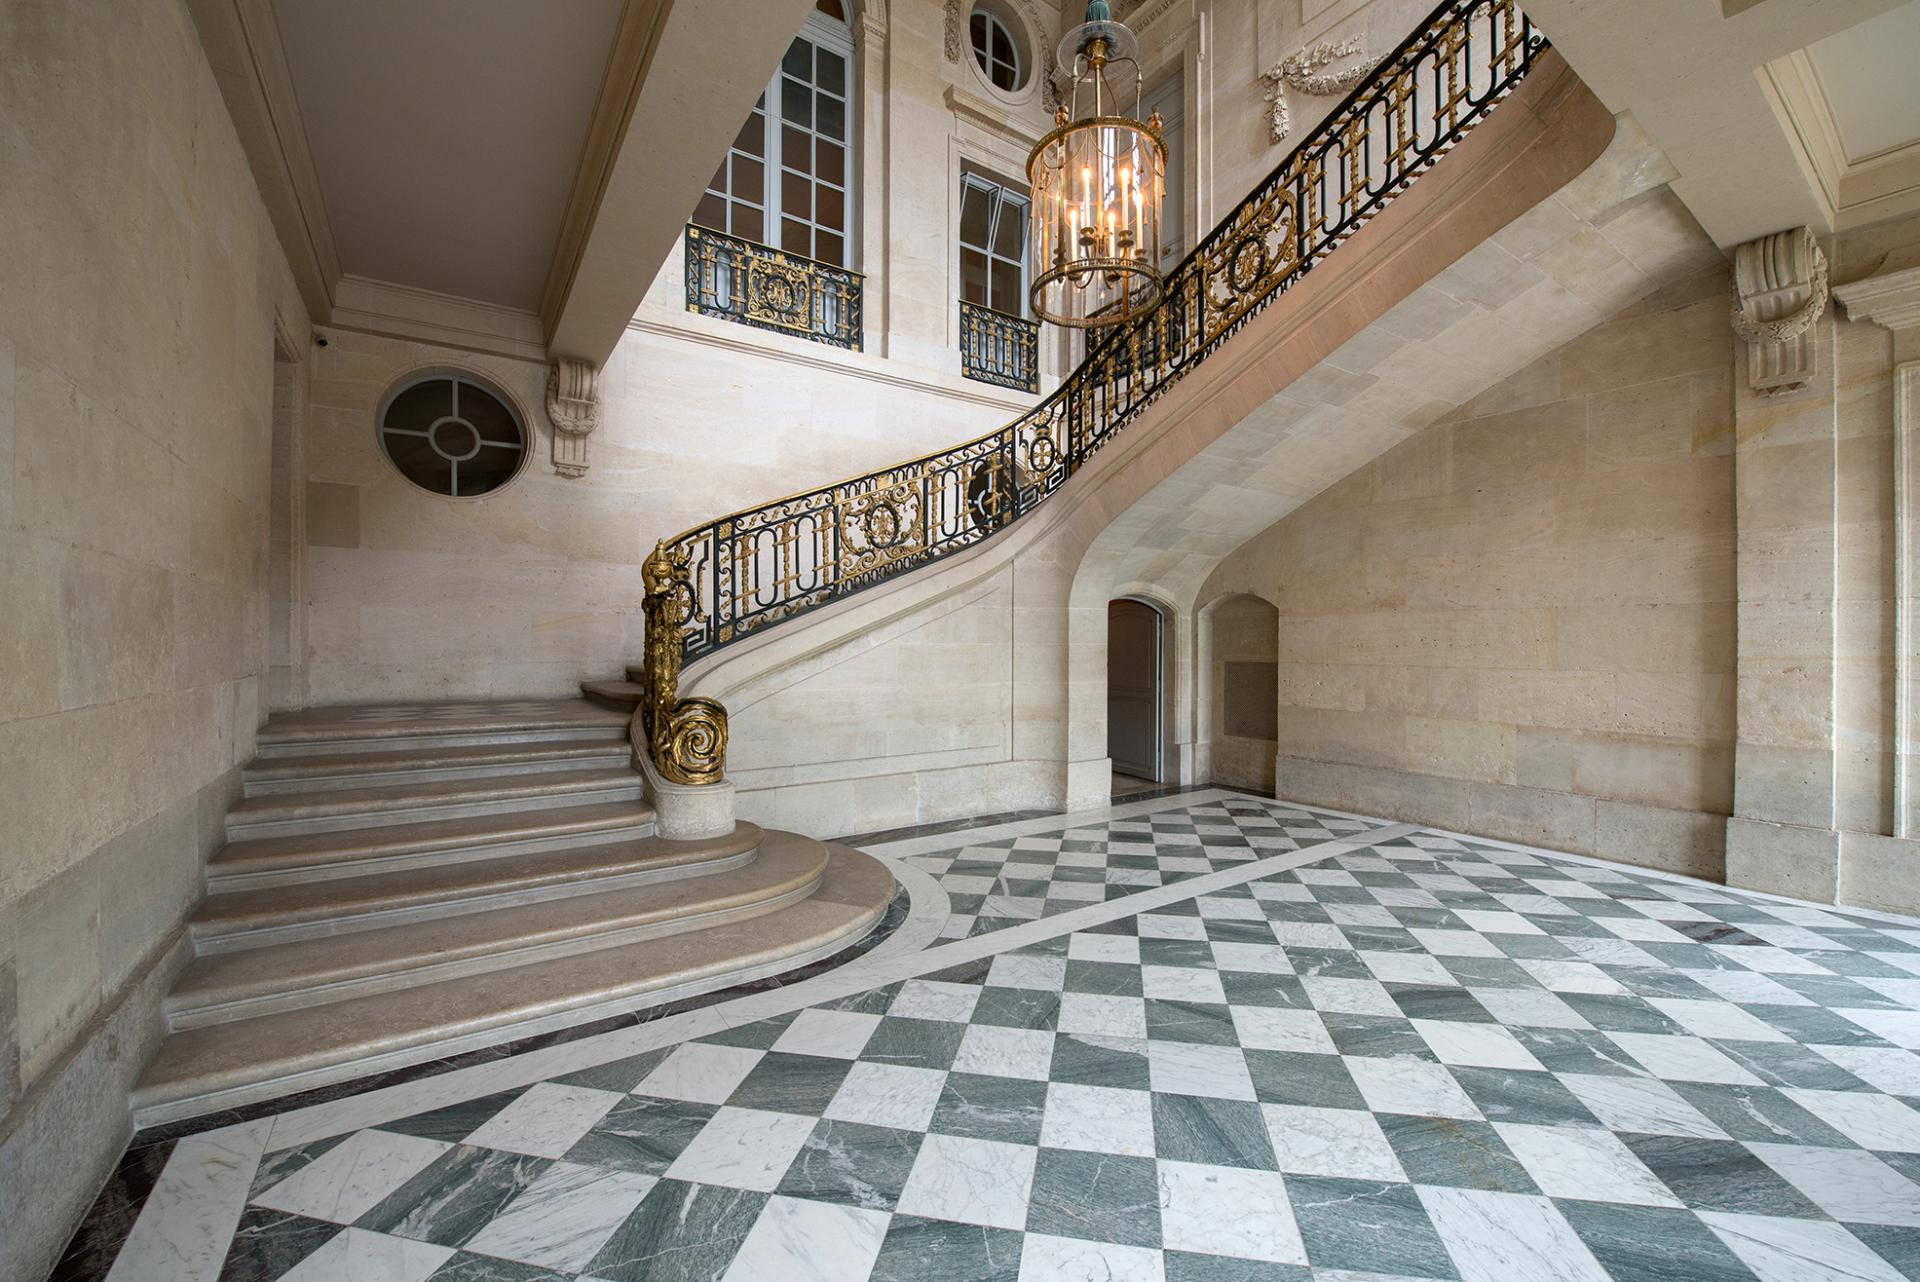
{"x": 682, "y": 77}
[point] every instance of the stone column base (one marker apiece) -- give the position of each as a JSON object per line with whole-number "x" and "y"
{"x": 687, "y": 811}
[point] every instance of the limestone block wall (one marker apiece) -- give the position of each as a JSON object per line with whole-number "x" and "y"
{"x": 139, "y": 292}
{"x": 1520, "y": 621}
{"x": 1243, "y": 658}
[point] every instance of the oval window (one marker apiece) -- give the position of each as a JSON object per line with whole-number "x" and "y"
{"x": 995, "y": 49}
{"x": 452, "y": 435}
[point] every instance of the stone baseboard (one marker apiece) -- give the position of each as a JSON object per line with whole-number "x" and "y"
{"x": 1826, "y": 865}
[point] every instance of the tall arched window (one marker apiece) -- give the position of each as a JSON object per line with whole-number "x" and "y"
{"x": 788, "y": 179}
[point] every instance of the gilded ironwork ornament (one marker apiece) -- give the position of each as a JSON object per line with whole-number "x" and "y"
{"x": 685, "y": 738}
{"x": 768, "y": 288}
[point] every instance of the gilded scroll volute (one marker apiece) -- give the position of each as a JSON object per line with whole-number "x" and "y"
{"x": 685, "y": 738}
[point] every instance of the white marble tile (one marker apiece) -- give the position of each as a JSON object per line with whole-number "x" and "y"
{"x": 1257, "y": 959}
{"x": 970, "y": 1181}
{"x": 351, "y": 1178}
{"x": 1886, "y": 1068}
{"x": 1162, "y": 926}
{"x": 1102, "y": 1015}
{"x": 1497, "y": 923}
{"x": 1901, "y": 1027}
{"x": 833, "y": 1034}
{"x": 1182, "y": 1068}
{"x": 1536, "y": 905}
{"x": 1869, "y": 1120}
{"x": 1217, "y": 1210}
{"x": 1640, "y": 1105}
{"x": 1098, "y": 1119}
{"x": 184, "y": 1228}
{"x": 1045, "y": 1258}
{"x": 1529, "y": 1008}
{"x": 1182, "y": 984}
{"x": 935, "y": 999}
{"x": 1339, "y": 1142}
{"x": 1584, "y": 1162}
{"x": 743, "y": 1148}
{"x": 546, "y": 1121}
{"x": 1782, "y": 935}
{"x": 1564, "y": 888}
{"x": 797, "y": 1240}
{"x": 1476, "y": 1045}
{"x": 1722, "y": 1021}
{"x": 1611, "y": 952}
{"x": 1047, "y": 974}
{"x": 1410, "y": 1086}
{"x": 1005, "y": 1052}
{"x": 1507, "y": 1237}
{"x": 359, "y": 1256}
{"x": 1571, "y": 976}
{"x": 701, "y": 1073}
{"x": 1350, "y": 996}
{"x": 1455, "y": 943}
{"x": 1683, "y": 1059}
{"x": 1851, "y": 1186}
{"x": 562, "y": 1219}
{"x": 1748, "y": 986}
{"x": 1124, "y": 949}
{"x": 1224, "y": 908}
{"x": 888, "y": 1095}
{"x": 1798, "y": 1250}
{"x": 1408, "y": 968}
{"x": 1309, "y": 934}
{"x": 1279, "y": 1028}
{"x": 1769, "y": 960}
{"x": 1644, "y": 930}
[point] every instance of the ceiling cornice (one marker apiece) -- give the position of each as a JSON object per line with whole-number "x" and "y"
{"x": 242, "y": 42}
{"x": 634, "y": 43}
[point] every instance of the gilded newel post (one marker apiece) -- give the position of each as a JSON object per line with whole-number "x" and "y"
{"x": 686, "y": 739}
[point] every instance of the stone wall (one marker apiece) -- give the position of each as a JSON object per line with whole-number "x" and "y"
{"x": 1243, "y": 650}
{"x": 139, "y": 291}
{"x": 1520, "y": 621}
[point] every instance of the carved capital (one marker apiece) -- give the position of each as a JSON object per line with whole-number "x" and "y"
{"x": 1780, "y": 292}
{"x": 573, "y": 407}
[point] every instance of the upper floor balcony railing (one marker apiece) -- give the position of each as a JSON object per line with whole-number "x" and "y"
{"x": 999, "y": 348}
{"x": 750, "y": 570}
{"x": 742, "y": 280}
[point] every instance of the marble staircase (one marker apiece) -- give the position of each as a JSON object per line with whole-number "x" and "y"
{"x": 404, "y": 882}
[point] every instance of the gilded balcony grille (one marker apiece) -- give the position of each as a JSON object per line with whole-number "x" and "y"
{"x": 758, "y": 285}
{"x": 753, "y": 569}
{"x": 999, "y": 348}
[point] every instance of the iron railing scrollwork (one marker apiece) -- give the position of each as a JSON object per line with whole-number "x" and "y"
{"x": 768, "y": 288}
{"x": 750, "y": 570}
{"x": 999, "y": 348}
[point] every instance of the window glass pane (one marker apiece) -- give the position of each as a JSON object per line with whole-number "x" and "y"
{"x": 1006, "y": 76}
{"x": 796, "y": 149}
{"x": 796, "y": 237}
{"x": 749, "y": 222}
{"x": 419, "y": 462}
{"x": 833, "y": 117}
{"x": 711, "y": 212}
{"x": 978, "y": 28}
{"x": 752, "y": 137}
{"x": 833, "y": 73}
{"x": 973, "y": 276}
{"x": 1009, "y": 234}
{"x": 415, "y": 409}
{"x": 975, "y": 207}
{"x": 830, "y": 208}
{"x": 799, "y": 60}
{"x": 719, "y": 182}
{"x": 796, "y": 102}
{"x": 1002, "y": 45}
{"x": 829, "y": 163}
{"x": 749, "y": 179}
{"x": 491, "y": 468}
{"x": 832, "y": 9}
{"x": 1006, "y": 286}
{"x": 830, "y": 249}
{"x": 494, "y": 420}
{"x": 796, "y": 194}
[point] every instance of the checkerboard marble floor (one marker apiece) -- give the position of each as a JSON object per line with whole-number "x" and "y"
{"x": 1402, "y": 1055}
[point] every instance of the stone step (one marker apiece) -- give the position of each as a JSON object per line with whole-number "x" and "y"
{"x": 434, "y": 763}
{"x": 289, "y": 813}
{"x": 393, "y": 727}
{"x": 257, "y": 981}
{"x": 234, "y": 919}
{"x": 227, "y": 1065}
{"x": 276, "y": 861}
{"x": 621, "y": 695}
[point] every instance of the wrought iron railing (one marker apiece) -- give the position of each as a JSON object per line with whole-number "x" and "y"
{"x": 999, "y": 348}
{"x": 752, "y": 569}
{"x": 758, "y": 285}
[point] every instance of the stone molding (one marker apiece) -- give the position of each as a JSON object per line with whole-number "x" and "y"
{"x": 1780, "y": 292}
{"x": 1891, "y": 299}
{"x": 573, "y": 407}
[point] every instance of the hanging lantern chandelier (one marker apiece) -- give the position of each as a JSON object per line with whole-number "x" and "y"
{"x": 1097, "y": 180}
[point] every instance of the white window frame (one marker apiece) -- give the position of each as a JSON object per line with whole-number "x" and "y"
{"x": 1003, "y": 194}
{"x": 984, "y": 62}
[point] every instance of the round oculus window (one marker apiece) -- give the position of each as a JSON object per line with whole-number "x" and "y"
{"x": 452, "y": 435}
{"x": 995, "y": 49}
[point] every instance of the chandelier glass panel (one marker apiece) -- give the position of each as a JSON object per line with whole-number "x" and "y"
{"x": 1097, "y": 183}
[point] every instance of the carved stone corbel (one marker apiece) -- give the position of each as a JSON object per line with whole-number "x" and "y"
{"x": 573, "y": 407}
{"x": 1780, "y": 291}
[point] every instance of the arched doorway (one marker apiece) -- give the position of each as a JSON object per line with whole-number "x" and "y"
{"x": 1135, "y": 693}
{"x": 1242, "y": 699}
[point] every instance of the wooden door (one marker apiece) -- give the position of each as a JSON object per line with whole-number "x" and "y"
{"x": 1133, "y": 688}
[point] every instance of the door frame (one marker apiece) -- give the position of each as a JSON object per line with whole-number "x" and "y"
{"x": 1161, "y": 685}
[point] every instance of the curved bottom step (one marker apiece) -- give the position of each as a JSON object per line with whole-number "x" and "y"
{"x": 227, "y": 1065}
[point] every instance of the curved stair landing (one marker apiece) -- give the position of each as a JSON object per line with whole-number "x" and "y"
{"x": 403, "y": 883}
